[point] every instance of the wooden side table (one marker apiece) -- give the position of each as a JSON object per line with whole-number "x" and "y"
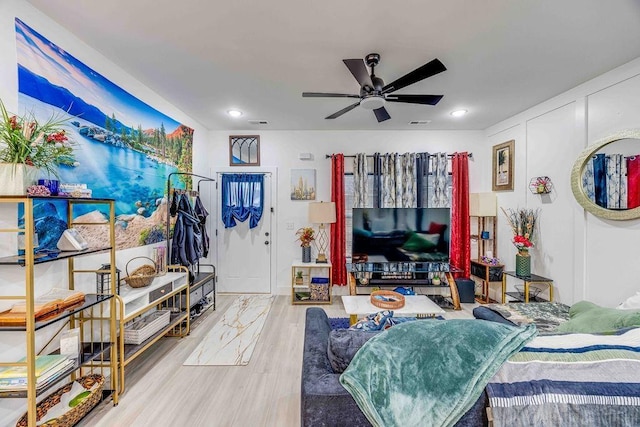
{"x": 487, "y": 274}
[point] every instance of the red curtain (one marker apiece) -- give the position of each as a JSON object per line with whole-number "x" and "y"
{"x": 460, "y": 234}
{"x": 338, "y": 244}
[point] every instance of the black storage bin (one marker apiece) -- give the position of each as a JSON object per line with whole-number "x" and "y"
{"x": 466, "y": 289}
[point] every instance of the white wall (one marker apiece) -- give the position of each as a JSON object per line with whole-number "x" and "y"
{"x": 587, "y": 257}
{"x": 280, "y": 150}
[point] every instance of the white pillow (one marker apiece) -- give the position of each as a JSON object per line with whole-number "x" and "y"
{"x": 631, "y": 303}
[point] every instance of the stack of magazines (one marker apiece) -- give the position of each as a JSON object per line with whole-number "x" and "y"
{"x": 49, "y": 369}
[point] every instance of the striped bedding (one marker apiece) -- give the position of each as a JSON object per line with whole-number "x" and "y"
{"x": 570, "y": 380}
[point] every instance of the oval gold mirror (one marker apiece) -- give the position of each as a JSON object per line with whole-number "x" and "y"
{"x": 598, "y": 203}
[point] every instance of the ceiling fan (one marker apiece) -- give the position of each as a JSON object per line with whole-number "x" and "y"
{"x": 374, "y": 93}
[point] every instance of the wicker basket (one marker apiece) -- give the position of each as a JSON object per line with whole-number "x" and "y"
{"x": 387, "y": 299}
{"x": 76, "y": 413}
{"x": 141, "y": 276}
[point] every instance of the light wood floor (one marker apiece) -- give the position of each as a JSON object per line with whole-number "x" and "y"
{"x": 161, "y": 392}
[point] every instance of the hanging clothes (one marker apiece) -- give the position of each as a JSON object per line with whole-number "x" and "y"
{"x": 202, "y": 214}
{"x": 242, "y": 198}
{"x": 186, "y": 244}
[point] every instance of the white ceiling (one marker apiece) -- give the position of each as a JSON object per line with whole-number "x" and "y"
{"x": 206, "y": 56}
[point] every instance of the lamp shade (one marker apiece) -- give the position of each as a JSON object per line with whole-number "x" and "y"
{"x": 322, "y": 212}
{"x": 482, "y": 204}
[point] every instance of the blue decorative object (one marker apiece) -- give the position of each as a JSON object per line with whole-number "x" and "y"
{"x": 404, "y": 291}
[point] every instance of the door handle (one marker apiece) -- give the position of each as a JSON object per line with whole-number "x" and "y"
{"x": 266, "y": 242}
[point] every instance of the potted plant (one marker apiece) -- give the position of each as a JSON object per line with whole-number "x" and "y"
{"x": 299, "y": 279}
{"x": 305, "y": 237}
{"x": 28, "y": 146}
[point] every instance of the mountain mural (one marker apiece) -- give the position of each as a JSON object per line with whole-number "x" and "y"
{"x": 40, "y": 88}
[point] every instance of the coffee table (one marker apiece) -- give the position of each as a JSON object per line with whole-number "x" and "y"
{"x": 414, "y": 306}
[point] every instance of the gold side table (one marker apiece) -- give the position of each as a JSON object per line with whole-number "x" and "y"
{"x": 527, "y": 280}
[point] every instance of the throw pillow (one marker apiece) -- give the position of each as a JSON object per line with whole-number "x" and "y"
{"x": 418, "y": 242}
{"x": 631, "y": 303}
{"x": 436, "y": 228}
{"x": 587, "y": 317}
{"x": 344, "y": 344}
{"x": 373, "y": 322}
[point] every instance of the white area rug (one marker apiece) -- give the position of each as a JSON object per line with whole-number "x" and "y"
{"x": 233, "y": 338}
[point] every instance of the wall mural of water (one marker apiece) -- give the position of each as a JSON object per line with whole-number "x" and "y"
{"x": 124, "y": 148}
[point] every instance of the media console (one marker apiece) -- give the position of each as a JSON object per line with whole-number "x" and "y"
{"x": 437, "y": 275}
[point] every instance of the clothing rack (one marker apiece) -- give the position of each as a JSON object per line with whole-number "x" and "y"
{"x": 328, "y": 156}
{"x": 170, "y": 192}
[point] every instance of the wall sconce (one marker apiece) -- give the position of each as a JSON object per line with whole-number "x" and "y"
{"x": 540, "y": 185}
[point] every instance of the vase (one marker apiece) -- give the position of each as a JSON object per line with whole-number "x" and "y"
{"x": 306, "y": 254}
{"x": 523, "y": 264}
{"x": 16, "y": 177}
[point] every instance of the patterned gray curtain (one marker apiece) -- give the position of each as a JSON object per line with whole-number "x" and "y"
{"x": 398, "y": 176}
{"x": 439, "y": 170}
{"x": 388, "y": 181}
{"x": 408, "y": 181}
{"x": 360, "y": 178}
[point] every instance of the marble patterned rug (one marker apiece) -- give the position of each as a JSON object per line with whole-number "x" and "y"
{"x": 232, "y": 340}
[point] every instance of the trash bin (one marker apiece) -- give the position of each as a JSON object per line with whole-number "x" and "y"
{"x": 466, "y": 289}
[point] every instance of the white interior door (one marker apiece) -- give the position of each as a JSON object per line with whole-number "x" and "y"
{"x": 244, "y": 254}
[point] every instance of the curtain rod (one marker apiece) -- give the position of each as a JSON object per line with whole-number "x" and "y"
{"x": 328, "y": 156}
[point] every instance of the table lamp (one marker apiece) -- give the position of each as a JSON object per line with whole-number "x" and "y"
{"x": 322, "y": 213}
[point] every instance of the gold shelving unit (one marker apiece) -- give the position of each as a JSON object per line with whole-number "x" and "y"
{"x": 95, "y": 317}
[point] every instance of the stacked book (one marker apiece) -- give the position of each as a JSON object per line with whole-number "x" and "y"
{"x": 49, "y": 369}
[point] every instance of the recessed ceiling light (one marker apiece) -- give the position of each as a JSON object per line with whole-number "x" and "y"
{"x": 458, "y": 113}
{"x": 234, "y": 113}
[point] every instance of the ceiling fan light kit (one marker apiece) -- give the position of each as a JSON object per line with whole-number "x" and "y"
{"x": 374, "y": 94}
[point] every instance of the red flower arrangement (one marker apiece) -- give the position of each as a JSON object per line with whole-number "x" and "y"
{"x": 523, "y": 223}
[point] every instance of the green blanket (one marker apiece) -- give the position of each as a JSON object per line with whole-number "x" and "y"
{"x": 429, "y": 373}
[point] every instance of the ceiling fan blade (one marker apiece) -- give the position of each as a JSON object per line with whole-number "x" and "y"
{"x": 427, "y": 70}
{"x": 344, "y": 110}
{"x": 415, "y": 99}
{"x": 359, "y": 71}
{"x": 327, "y": 95}
{"x": 381, "y": 114}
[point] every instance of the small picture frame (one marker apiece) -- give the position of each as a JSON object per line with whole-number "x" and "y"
{"x": 244, "y": 150}
{"x": 502, "y": 170}
{"x": 303, "y": 184}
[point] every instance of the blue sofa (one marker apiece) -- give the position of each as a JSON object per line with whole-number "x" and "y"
{"x": 324, "y": 402}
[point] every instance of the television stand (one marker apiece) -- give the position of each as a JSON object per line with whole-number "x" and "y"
{"x": 406, "y": 274}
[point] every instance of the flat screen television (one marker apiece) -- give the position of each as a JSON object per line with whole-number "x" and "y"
{"x": 401, "y": 234}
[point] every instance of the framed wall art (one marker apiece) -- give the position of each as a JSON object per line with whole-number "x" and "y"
{"x": 502, "y": 170}
{"x": 303, "y": 184}
{"x": 244, "y": 150}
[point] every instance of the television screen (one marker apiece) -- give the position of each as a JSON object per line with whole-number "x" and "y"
{"x": 401, "y": 234}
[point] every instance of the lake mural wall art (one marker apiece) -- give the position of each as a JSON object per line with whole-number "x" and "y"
{"x": 124, "y": 148}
